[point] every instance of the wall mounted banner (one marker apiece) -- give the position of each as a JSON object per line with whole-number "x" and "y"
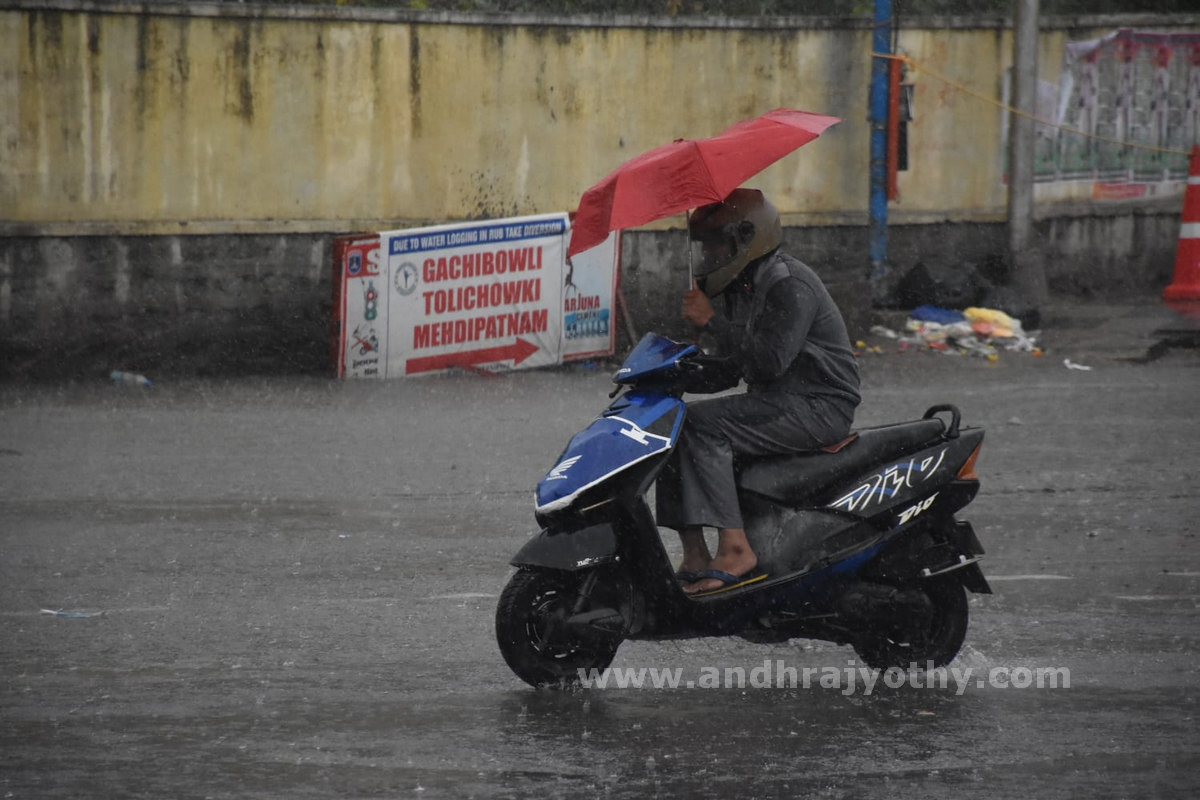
{"x": 589, "y": 283}
{"x": 358, "y": 328}
{"x": 493, "y": 295}
{"x": 469, "y": 296}
{"x": 1135, "y": 86}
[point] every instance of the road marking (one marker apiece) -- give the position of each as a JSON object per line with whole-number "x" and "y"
{"x": 1029, "y": 578}
{"x": 1146, "y": 598}
{"x": 462, "y": 596}
{"x": 84, "y": 614}
{"x": 1183, "y": 574}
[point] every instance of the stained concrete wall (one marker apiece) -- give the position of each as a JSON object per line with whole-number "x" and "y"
{"x": 169, "y": 121}
{"x": 164, "y": 305}
{"x": 171, "y": 174}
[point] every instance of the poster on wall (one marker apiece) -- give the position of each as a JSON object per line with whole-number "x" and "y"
{"x": 1128, "y": 104}
{"x": 487, "y": 296}
{"x": 359, "y": 344}
{"x": 588, "y": 288}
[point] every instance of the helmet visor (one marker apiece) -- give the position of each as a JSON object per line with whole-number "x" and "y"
{"x": 710, "y": 250}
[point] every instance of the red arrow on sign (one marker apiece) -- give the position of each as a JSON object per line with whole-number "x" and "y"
{"x": 518, "y": 351}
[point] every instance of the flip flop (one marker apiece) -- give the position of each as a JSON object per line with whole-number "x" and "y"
{"x": 728, "y": 580}
{"x": 687, "y": 576}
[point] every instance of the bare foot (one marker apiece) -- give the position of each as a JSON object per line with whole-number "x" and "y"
{"x": 696, "y": 555}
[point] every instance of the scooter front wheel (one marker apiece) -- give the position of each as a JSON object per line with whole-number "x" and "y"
{"x": 535, "y": 641}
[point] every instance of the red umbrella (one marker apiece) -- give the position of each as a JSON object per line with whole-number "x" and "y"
{"x": 689, "y": 172}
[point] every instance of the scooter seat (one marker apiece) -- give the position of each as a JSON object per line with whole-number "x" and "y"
{"x": 797, "y": 477}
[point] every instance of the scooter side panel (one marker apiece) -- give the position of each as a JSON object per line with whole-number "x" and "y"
{"x": 909, "y": 484}
{"x": 637, "y": 427}
{"x": 801, "y": 540}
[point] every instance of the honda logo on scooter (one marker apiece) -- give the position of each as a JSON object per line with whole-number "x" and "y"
{"x": 559, "y": 473}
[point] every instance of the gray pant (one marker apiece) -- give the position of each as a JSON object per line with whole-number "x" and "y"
{"x": 696, "y": 487}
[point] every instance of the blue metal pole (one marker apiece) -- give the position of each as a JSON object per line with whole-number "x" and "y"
{"x": 881, "y": 42}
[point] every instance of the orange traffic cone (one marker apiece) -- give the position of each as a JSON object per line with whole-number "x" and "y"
{"x": 1186, "y": 285}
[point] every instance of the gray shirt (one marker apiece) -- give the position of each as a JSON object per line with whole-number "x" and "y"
{"x": 780, "y": 331}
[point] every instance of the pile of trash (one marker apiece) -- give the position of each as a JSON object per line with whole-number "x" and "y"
{"x": 983, "y": 332}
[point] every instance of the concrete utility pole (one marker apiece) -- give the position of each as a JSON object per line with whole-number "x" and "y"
{"x": 1029, "y": 272}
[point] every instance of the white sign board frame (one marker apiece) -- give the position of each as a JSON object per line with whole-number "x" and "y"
{"x": 491, "y": 295}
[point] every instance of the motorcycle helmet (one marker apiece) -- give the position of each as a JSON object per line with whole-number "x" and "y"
{"x": 724, "y": 237}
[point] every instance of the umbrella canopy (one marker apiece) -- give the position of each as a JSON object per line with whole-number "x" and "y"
{"x": 689, "y": 172}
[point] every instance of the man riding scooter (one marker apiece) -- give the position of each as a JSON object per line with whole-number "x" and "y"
{"x": 862, "y": 543}
{"x": 778, "y": 330}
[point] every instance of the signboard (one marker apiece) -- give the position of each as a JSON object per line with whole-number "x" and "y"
{"x": 493, "y": 296}
{"x": 469, "y": 296}
{"x": 359, "y": 327}
{"x": 589, "y": 286}
{"x": 1124, "y": 115}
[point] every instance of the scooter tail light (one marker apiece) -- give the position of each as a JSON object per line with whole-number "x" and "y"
{"x": 967, "y": 471}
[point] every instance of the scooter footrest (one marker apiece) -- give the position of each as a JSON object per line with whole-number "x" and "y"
{"x": 963, "y": 561}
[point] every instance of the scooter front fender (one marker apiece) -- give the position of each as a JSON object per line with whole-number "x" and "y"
{"x": 570, "y": 549}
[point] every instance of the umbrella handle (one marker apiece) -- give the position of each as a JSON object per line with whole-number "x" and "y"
{"x": 687, "y": 228}
{"x": 687, "y": 232}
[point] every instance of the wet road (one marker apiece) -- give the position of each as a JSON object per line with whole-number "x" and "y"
{"x": 284, "y": 588}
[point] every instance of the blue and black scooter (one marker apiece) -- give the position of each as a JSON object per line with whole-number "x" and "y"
{"x": 857, "y": 544}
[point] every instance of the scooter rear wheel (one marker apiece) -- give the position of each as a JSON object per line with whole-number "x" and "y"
{"x": 936, "y": 638}
{"x": 532, "y": 638}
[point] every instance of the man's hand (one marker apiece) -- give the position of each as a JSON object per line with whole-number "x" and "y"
{"x": 696, "y": 308}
